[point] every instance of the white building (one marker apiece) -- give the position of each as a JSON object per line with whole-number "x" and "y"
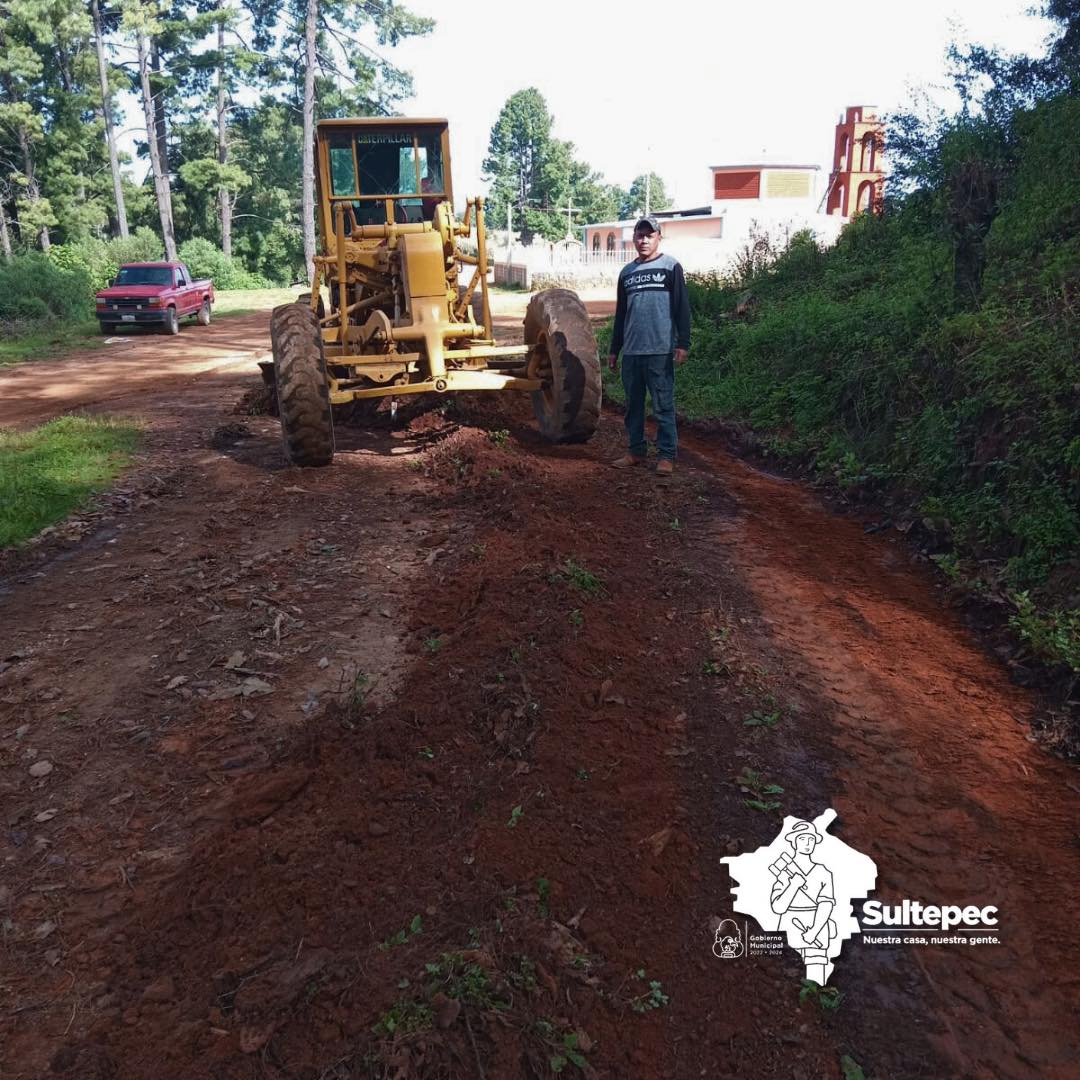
{"x": 777, "y": 199}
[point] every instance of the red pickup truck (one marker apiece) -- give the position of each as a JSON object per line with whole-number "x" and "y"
{"x": 159, "y": 293}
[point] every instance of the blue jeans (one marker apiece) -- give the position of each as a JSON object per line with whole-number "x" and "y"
{"x": 655, "y": 373}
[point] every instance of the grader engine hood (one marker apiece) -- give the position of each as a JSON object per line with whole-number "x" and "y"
{"x": 423, "y": 267}
{"x": 423, "y": 275}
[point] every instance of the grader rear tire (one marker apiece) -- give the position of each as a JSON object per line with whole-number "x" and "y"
{"x": 568, "y": 407}
{"x": 303, "y": 394}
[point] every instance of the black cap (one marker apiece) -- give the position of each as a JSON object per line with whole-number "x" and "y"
{"x": 647, "y": 223}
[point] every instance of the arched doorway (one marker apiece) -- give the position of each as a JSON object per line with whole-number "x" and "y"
{"x": 866, "y": 196}
{"x": 611, "y": 241}
{"x": 596, "y": 241}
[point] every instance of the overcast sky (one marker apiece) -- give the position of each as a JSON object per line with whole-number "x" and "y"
{"x": 692, "y": 84}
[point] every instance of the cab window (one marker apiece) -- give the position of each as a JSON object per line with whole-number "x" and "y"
{"x": 342, "y": 174}
{"x": 387, "y": 163}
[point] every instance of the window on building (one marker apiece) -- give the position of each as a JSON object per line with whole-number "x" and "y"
{"x": 845, "y": 149}
{"x": 611, "y": 241}
{"x": 596, "y": 241}
{"x": 866, "y": 194}
{"x": 867, "y": 156}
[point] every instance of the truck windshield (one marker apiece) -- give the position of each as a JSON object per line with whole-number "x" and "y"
{"x": 144, "y": 275}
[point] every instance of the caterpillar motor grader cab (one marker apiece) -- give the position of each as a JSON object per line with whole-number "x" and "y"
{"x": 397, "y": 321}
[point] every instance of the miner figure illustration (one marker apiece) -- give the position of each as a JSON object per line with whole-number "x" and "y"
{"x": 803, "y": 896}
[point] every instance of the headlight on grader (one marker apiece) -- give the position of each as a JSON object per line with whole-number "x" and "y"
{"x": 397, "y": 321}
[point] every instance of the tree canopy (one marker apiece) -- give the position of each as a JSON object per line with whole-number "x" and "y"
{"x": 540, "y": 178}
{"x": 220, "y": 86}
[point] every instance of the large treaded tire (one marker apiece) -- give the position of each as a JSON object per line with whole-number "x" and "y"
{"x": 568, "y": 408}
{"x": 303, "y": 394}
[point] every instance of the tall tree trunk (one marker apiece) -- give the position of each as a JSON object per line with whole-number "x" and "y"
{"x": 225, "y": 205}
{"x": 5, "y": 236}
{"x": 308, "y": 198}
{"x": 33, "y": 191}
{"x": 110, "y": 136}
{"x": 161, "y": 178}
{"x": 160, "y": 130}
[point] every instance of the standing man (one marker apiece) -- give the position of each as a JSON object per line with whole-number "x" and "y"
{"x": 652, "y": 330}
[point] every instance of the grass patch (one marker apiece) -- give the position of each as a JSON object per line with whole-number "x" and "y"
{"x": 247, "y": 301}
{"x": 46, "y": 343}
{"x": 48, "y": 472}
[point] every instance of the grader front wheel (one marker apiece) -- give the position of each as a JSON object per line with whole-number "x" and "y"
{"x": 557, "y": 325}
{"x": 303, "y": 394}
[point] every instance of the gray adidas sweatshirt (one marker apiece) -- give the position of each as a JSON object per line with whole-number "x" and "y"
{"x": 652, "y": 309}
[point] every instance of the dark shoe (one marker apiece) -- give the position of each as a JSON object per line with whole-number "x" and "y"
{"x": 665, "y": 467}
{"x": 627, "y": 461}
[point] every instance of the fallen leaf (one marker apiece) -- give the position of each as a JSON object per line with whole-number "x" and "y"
{"x": 41, "y": 768}
{"x": 447, "y": 1010}
{"x": 251, "y": 686}
{"x": 659, "y": 840}
{"x": 43, "y": 930}
{"x": 178, "y": 680}
{"x": 46, "y": 815}
{"x": 235, "y": 661}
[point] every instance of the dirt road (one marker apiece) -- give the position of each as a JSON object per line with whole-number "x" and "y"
{"x": 424, "y": 765}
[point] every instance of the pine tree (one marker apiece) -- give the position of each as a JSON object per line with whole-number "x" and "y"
{"x": 106, "y": 112}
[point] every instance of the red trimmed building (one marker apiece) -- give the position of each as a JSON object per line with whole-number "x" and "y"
{"x": 858, "y": 172}
{"x": 776, "y": 197}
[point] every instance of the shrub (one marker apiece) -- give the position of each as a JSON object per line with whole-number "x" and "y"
{"x": 34, "y": 289}
{"x": 204, "y": 260}
{"x": 100, "y": 259}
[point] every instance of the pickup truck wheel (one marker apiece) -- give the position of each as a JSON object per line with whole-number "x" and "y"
{"x": 107, "y": 327}
{"x": 303, "y": 392}
{"x": 172, "y": 322}
{"x": 204, "y": 314}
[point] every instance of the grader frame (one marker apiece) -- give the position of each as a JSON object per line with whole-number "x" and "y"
{"x": 398, "y": 323}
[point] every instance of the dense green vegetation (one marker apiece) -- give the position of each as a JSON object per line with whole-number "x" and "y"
{"x": 931, "y": 356}
{"x": 225, "y": 93}
{"x": 50, "y": 471}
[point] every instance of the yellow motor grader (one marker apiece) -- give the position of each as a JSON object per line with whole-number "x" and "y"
{"x": 397, "y": 321}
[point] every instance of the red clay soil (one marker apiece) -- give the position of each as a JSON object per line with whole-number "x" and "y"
{"x": 423, "y": 765}
{"x": 128, "y": 367}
